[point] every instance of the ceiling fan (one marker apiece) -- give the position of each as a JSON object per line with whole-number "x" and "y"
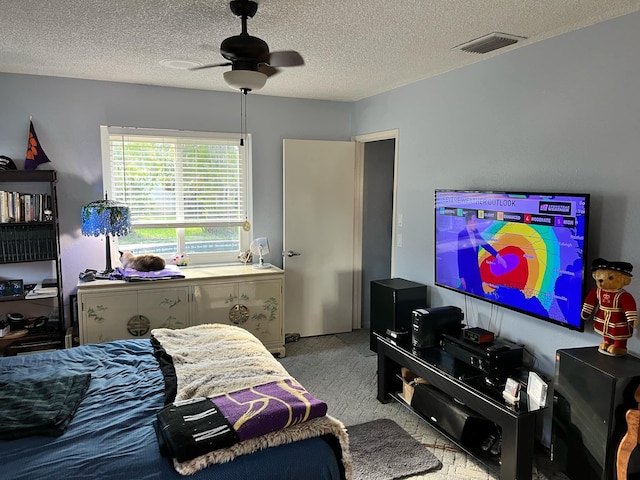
{"x": 249, "y": 57}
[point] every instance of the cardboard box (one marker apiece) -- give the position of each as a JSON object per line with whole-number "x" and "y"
{"x": 409, "y": 381}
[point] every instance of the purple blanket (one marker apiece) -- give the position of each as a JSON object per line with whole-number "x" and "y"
{"x": 266, "y": 408}
{"x": 131, "y": 275}
{"x": 191, "y": 428}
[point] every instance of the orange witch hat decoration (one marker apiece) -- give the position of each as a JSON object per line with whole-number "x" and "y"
{"x": 35, "y": 155}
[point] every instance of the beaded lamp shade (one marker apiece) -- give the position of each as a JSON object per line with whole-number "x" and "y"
{"x": 106, "y": 217}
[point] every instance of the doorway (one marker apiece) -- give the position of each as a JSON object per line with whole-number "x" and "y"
{"x": 377, "y": 218}
{"x": 378, "y": 261}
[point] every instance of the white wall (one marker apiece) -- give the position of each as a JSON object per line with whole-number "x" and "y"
{"x": 67, "y": 114}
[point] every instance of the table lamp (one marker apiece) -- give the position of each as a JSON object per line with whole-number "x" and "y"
{"x": 106, "y": 217}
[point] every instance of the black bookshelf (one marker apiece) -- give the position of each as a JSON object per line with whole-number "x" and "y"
{"x": 35, "y": 237}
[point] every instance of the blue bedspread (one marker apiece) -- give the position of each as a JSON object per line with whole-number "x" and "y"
{"x": 111, "y": 435}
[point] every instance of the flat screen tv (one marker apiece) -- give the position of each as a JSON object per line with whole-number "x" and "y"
{"x": 523, "y": 251}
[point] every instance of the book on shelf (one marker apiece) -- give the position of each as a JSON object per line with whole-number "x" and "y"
{"x": 41, "y": 289}
{"x": 23, "y": 207}
{"x": 42, "y": 292}
{"x": 4, "y": 207}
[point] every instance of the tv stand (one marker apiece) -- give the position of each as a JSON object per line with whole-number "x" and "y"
{"x": 457, "y": 380}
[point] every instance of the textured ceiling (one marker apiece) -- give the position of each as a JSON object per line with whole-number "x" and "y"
{"x": 352, "y": 48}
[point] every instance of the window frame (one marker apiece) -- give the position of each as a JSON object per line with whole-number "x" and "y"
{"x": 194, "y": 258}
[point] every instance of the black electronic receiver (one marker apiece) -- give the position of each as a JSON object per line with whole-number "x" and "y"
{"x": 497, "y": 348}
{"x": 491, "y": 358}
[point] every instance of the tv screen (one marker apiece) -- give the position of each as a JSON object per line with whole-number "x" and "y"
{"x": 523, "y": 251}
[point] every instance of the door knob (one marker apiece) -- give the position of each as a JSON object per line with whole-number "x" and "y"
{"x": 291, "y": 253}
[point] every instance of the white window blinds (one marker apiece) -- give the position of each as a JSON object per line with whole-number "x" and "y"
{"x": 178, "y": 179}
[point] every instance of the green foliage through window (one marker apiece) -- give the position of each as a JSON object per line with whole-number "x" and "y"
{"x": 187, "y": 191}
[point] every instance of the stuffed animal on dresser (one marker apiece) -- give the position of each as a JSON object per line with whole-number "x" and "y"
{"x": 146, "y": 262}
{"x": 612, "y": 307}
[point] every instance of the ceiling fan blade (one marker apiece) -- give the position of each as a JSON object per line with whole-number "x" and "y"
{"x": 285, "y": 58}
{"x": 268, "y": 70}
{"x": 202, "y": 67}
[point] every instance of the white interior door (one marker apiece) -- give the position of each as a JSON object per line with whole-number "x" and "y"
{"x": 319, "y": 193}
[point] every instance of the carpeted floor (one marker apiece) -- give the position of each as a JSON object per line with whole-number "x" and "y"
{"x": 340, "y": 370}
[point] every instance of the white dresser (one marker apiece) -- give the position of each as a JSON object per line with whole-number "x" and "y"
{"x": 236, "y": 295}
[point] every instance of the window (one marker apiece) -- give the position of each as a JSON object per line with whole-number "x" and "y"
{"x": 189, "y": 192}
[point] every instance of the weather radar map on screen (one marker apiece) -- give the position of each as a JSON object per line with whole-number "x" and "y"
{"x": 522, "y": 251}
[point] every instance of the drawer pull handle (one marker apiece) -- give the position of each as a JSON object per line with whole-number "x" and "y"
{"x": 138, "y": 326}
{"x": 238, "y": 314}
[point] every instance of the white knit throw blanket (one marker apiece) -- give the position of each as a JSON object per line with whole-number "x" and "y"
{"x": 214, "y": 359}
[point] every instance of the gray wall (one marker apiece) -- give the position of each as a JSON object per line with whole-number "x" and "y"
{"x": 67, "y": 114}
{"x": 558, "y": 115}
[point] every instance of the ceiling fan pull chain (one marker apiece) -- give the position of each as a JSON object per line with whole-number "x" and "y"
{"x": 241, "y": 119}
{"x": 245, "y": 113}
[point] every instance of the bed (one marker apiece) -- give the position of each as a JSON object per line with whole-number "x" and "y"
{"x": 111, "y": 434}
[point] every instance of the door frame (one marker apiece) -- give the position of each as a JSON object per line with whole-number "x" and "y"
{"x": 359, "y": 210}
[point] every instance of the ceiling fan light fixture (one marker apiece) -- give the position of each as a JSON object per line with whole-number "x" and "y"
{"x": 245, "y": 79}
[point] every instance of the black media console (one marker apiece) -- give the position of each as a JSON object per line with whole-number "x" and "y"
{"x": 456, "y": 389}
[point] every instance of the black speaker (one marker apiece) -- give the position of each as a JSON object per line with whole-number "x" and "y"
{"x": 392, "y": 301}
{"x": 592, "y": 393}
{"x": 467, "y": 427}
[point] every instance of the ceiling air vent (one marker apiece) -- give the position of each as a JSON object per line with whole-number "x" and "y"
{"x": 489, "y": 43}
